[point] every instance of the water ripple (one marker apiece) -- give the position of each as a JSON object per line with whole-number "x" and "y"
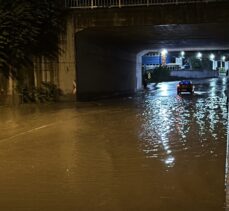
{"x": 170, "y": 125}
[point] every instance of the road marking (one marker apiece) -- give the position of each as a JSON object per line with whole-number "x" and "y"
{"x": 26, "y": 132}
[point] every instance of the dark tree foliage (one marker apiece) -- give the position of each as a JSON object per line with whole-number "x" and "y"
{"x": 159, "y": 74}
{"x": 50, "y": 21}
{"x": 28, "y": 28}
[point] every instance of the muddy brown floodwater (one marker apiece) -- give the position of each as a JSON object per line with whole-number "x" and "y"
{"x": 152, "y": 151}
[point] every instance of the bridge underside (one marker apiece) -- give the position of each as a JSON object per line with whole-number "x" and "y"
{"x": 108, "y": 57}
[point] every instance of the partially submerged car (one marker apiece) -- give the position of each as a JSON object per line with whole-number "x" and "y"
{"x": 185, "y": 86}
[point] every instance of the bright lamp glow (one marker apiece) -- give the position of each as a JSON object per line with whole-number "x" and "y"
{"x": 223, "y": 58}
{"x": 182, "y": 53}
{"x": 212, "y": 56}
{"x": 199, "y": 55}
{"x": 164, "y": 52}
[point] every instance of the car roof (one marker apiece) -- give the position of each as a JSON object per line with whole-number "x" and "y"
{"x": 186, "y": 81}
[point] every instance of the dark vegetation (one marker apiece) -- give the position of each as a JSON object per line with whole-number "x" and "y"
{"x": 44, "y": 93}
{"x": 197, "y": 64}
{"x": 158, "y": 74}
{"x": 28, "y": 29}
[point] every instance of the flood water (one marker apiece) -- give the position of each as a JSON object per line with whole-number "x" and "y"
{"x": 152, "y": 151}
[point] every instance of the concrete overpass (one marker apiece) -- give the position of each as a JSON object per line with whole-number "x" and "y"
{"x": 103, "y": 47}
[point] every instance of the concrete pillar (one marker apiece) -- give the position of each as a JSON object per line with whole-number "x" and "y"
{"x": 139, "y": 70}
{"x": 179, "y": 61}
{"x": 163, "y": 59}
{"x": 214, "y": 65}
{"x": 67, "y": 63}
{"x": 226, "y": 65}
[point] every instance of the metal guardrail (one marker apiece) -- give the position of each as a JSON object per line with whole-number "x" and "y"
{"x": 86, "y": 4}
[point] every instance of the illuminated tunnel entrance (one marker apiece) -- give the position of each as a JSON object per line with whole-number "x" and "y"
{"x": 109, "y": 59}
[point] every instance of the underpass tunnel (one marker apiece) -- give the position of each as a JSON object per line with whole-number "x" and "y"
{"x": 109, "y": 59}
{"x": 105, "y": 66}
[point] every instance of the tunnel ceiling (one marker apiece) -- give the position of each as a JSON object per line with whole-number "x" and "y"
{"x": 173, "y": 37}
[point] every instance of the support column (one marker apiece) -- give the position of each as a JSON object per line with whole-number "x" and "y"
{"x": 67, "y": 63}
{"x": 139, "y": 70}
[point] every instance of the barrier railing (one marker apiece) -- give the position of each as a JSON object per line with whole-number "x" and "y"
{"x": 127, "y": 3}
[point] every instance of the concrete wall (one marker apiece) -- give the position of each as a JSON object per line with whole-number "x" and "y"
{"x": 104, "y": 67}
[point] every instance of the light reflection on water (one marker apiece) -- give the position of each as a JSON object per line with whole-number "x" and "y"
{"x": 156, "y": 151}
{"x": 181, "y": 124}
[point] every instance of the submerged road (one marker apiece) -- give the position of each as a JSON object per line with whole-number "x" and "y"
{"x": 152, "y": 151}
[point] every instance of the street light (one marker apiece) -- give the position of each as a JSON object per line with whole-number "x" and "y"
{"x": 212, "y": 56}
{"x": 199, "y": 55}
{"x": 163, "y": 56}
{"x": 164, "y": 52}
{"x": 214, "y": 63}
{"x": 222, "y": 64}
{"x": 182, "y": 53}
